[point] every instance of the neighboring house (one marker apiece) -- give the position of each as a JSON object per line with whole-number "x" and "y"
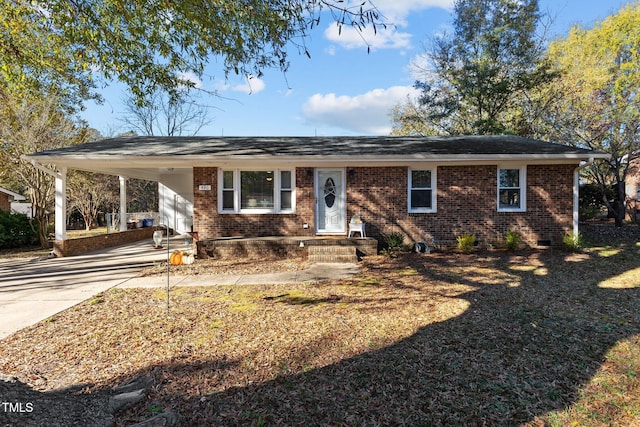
{"x": 22, "y": 208}
{"x": 632, "y": 185}
{"x": 428, "y": 188}
{"x": 7, "y": 197}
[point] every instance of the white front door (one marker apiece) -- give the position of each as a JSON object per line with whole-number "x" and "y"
{"x": 181, "y": 215}
{"x": 330, "y": 201}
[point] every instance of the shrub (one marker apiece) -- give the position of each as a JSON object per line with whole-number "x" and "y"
{"x": 394, "y": 240}
{"x": 591, "y": 203}
{"x": 466, "y": 242}
{"x": 512, "y": 240}
{"x": 573, "y": 242}
{"x": 15, "y": 230}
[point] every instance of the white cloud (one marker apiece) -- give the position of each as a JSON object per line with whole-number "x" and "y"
{"x": 420, "y": 67}
{"x": 394, "y": 12}
{"x": 252, "y": 85}
{"x": 369, "y": 113}
{"x": 191, "y": 77}
{"x": 381, "y": 38}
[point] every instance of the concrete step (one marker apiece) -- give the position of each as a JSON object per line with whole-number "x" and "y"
{"x": 339, "y": 254}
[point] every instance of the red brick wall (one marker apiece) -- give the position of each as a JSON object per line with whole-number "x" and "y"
{"x": 5, "y": 203}
{"x": 633, "y": 179}
{"x": 209, "y": 223}
{"x": 631, "y": 184}
{"x": 83, "y": 245}
{"x": 466, "y": 202}
{"x": 379, "y": 196}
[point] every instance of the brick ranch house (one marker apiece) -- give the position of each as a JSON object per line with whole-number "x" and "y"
{"x": 431, "y": 189}
{"x": 632, "y": 190}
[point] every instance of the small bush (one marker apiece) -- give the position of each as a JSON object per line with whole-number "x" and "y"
{"x": 512, "y": 240}
{"x": 572, "y": 242}
{"x": 394, "y": 240}
{"x": 591, "y": 203}
{"x": 15, "y": 230}
{"x": 466, "y": 242}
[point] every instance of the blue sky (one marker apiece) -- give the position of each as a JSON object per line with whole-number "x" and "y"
{"x": 342, "y": 89}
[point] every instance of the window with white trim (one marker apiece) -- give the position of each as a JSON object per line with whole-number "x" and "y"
{"x": 228, "y": 192}
{"x": 512, "y": 189}
{"x": 422, "y": 191}
{"x": 256, "y": 191}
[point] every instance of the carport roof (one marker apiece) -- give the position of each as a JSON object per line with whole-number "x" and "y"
{"x": 133, "y": 153}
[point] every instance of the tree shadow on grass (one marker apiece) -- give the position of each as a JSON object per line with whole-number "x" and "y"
{"x": 537, "y": 328}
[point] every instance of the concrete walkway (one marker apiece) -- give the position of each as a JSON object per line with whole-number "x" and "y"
{"x": 32, "y": 290}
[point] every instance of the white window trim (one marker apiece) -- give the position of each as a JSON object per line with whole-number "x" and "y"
{"x": 277, "y": 209}
{"x": 433, "y": 188}
{"x": 523, "y": 187}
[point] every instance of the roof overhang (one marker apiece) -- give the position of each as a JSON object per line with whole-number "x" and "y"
{"x": 137, "y": 161}
{"x": 15, "y": 196}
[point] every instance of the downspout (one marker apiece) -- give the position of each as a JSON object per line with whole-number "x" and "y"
{"x": 576, "y": 196}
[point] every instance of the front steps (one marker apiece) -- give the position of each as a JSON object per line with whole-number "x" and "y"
{"x": 332, "y": 254}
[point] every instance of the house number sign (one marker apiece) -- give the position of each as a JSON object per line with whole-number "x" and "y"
{"x": 204, "y": 187}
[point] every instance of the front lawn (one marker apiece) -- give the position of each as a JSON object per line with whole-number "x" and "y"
{"x": 498, "y": 339}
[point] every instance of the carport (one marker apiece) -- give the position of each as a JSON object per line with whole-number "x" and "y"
{"x": 175, "y": 181}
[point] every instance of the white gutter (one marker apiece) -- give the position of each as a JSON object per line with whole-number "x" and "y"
{"x": 113, "y": 163}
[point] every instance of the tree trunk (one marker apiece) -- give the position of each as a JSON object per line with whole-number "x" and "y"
{"x": 42, "y": 225}
{"x": 619, "y": 208}
{"x": 87, "y": 221}
{"x": 619, "y": 212}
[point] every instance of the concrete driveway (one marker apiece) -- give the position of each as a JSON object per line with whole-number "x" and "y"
{"x": 33, "y": 290}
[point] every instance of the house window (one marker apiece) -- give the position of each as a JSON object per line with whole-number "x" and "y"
{"x": 511, "y": 189}
{"x": 228, "y": 201}
{"x": 286, "y": 190}
{"x": 256, "y": 191}
{"x": 422, "y": 190}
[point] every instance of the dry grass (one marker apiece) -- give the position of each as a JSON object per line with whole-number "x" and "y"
{"x": 213, "y": 266}
{"x": 485, "y": 339}
{"x": 97, "y": 231}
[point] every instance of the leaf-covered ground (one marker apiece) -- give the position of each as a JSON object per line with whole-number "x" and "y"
{"x": 486, "y": 339}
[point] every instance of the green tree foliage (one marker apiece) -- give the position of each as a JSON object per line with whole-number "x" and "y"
{"x": 150, "y": 44}
{"x": 598, "y": 98}
{"x": 36, "y": 58}
{"x": 591, "y": 202}
{"x": 477, "y": 77}
{"x": 28, "y": 125}
{"x": 15, "y": 230}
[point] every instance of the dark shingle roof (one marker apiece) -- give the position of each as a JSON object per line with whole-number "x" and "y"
{"x": 315, "y": 147}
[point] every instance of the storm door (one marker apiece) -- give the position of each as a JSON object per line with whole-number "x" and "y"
{"x": 330, "y": 202}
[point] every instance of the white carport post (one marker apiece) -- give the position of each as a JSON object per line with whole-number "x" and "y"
{"x": 123, "y": 203}
{"x": 576, "y": 202}
{"x": 61, "y": 204}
